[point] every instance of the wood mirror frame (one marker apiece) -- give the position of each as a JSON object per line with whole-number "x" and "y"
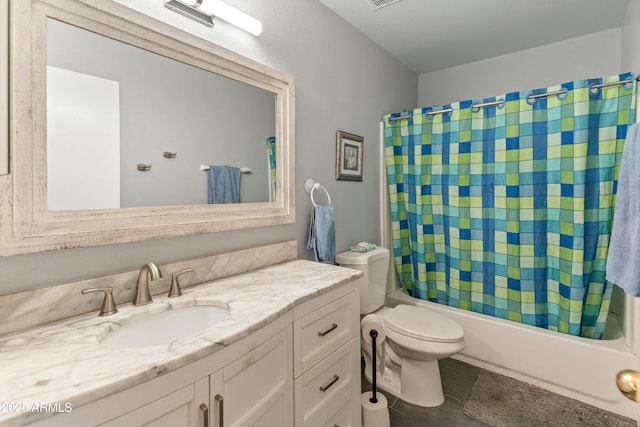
{"x": 27, "y": 226}
{"x": 4, "y": 87}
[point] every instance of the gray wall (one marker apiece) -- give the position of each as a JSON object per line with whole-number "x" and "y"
{"x": 593, "y": 55}
{"x": 343, "y": 82}
{"x": 631, "y": 38}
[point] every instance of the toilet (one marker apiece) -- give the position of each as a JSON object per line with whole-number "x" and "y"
{"x": 416, "y": 338}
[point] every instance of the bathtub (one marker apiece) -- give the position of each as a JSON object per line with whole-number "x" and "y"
{"x": 575, "y": 367}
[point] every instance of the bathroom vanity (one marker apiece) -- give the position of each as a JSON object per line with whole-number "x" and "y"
{"x": 287, "y": 354}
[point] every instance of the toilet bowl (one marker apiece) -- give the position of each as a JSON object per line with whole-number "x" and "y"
{"x": 416, "y": 338}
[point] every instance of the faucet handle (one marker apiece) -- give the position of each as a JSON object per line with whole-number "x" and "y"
{"x": 108, "y": 304}
{"x": 175, "y": 290}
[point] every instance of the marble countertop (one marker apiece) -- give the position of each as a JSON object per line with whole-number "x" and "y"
{"x": 64, "y": 362}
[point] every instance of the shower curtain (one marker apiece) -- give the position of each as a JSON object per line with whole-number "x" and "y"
{"x": 507, "y": 209}
{"x": 271, "y": 158}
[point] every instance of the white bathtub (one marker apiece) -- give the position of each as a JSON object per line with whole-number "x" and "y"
{"x": 578, "y": 368}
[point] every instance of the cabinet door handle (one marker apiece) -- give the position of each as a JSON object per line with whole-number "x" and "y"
{"x": 220, "y": 401}
{"x": 328, "y": 386}
{"x": 205, "y": 413}
{"x": 332, "y": 328}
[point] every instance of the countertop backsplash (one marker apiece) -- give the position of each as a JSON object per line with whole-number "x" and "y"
{"x": 25, "y": 309}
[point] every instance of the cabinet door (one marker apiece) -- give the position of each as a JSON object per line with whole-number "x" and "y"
{"x": 256, "y": 389}
{"x": 180, "y": 408}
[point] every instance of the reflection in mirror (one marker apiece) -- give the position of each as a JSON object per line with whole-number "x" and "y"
{"x": 271, "y": 153}
{"x": 111, "y": 106}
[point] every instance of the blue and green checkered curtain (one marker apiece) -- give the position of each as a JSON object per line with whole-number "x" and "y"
{"x": 507, "y": 210}
{"x": 271, "y": 156}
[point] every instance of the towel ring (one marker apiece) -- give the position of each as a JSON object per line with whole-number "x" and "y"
{"x": 316, "y": 186}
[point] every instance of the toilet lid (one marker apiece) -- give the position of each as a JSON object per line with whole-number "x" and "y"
{"x": 422, "y": 324}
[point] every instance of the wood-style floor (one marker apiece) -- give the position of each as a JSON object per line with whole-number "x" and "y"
{"x": 457, "y": 381}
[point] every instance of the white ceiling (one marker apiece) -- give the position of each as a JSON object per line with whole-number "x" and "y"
{"x": 430, "y": 35}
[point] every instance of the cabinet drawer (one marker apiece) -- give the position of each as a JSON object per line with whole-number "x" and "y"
{"x": 322, "y": 331}
{"x": 340, "y": 418}
{"x": 327, "y": 385}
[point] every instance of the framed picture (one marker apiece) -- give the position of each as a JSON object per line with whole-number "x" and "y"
{"x": 349, "y": 148}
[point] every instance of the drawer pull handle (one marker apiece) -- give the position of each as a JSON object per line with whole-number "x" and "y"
{"x": 328, "y": 386}
{"x": 332, "y": 328}
{"x": 205, "y": 414}
{"x": 220, "y": 401}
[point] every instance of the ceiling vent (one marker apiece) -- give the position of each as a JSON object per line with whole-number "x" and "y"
{"x": 379, "y": 4}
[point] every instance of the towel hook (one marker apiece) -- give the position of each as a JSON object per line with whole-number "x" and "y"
{"x": 144, "y": 167}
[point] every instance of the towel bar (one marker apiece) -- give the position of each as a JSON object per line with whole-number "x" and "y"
{"x": 242, "y": 170}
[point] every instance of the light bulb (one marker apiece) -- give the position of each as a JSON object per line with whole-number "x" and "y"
{"x": 232, "y": 15}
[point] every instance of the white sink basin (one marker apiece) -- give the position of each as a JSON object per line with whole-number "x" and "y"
{"x": 162, "y": 328}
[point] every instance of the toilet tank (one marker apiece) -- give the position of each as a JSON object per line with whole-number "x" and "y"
{"x": 373, "y": 284}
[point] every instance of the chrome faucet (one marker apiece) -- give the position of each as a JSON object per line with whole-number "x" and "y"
{"x": 148, "y": 272}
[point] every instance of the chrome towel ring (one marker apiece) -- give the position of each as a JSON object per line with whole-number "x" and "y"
{"x": 314, "y": 188}
{"x": 310, "y": 186}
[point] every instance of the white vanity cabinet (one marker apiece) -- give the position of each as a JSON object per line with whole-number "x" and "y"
{"x": 326, "y": 337}
{"x": 254, "y": 390}
{"x": 255, "y": 383}
{"x": 302, "y": 369}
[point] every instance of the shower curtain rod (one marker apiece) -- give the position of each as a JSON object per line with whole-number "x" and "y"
{"x": 500, "y": 102}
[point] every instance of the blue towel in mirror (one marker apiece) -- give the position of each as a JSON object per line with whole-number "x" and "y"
{"x": 322, "y": 233}
{"x": 223, "y": 184}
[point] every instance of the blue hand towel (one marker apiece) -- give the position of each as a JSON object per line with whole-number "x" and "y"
{"x": 223, "y": 184}
{"x": 623, "y": 262}
{"x": 322, "y": 233}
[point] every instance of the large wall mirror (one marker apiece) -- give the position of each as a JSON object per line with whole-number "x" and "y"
{"x": 125, "y": 129}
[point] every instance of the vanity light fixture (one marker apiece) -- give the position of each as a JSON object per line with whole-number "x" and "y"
{"x": 205, "y": 14}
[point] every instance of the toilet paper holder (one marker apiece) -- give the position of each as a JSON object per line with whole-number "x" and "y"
{"x": 375, "y": 409}
{"x": 374, "y": 334}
